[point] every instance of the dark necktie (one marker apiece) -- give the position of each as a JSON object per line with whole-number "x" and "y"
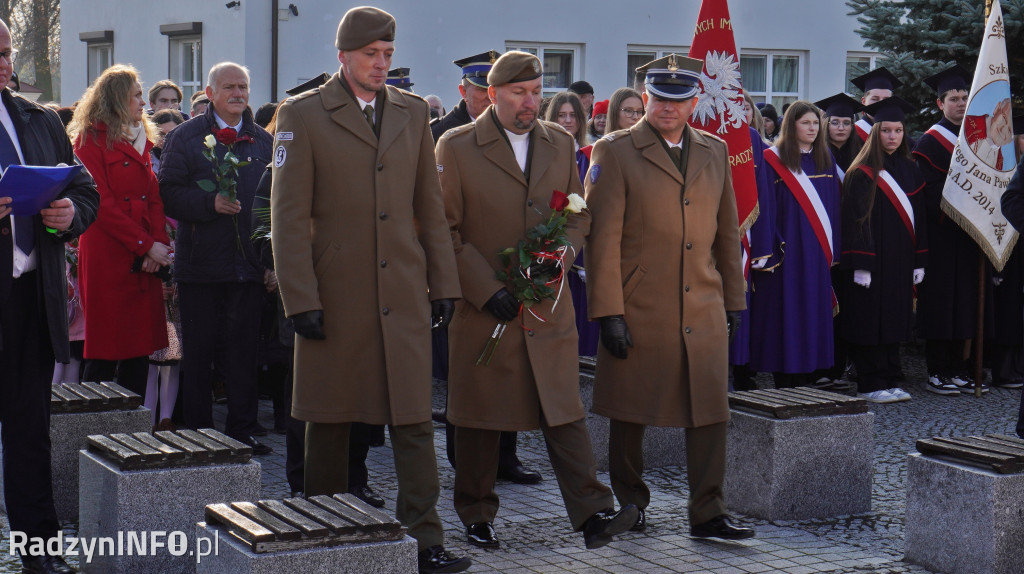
{"x": 677, "y": 155}
{"x": 368, "y": 112}
{"x": 23, "y": 237}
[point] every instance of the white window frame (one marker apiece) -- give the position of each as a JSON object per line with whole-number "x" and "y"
{"x": 658, "y": 51}
{"x": 538, "y": 49}
{"x": 873, "y": 58}
{"x": 769, "y": 95}
{"x": 177, "y": 50}
{"x": 99, "y": 53}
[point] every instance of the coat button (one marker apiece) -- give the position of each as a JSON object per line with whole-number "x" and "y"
{"x": 385, "y": 310}
{"x": 686, "y": 288}
{"x": 126, "y": 198}
{"x": 686, "y": 202}
{"x": 383, "y": 215}
{"x": 143, "y": 197}
{"x": 383, "y": 262}
{"x": 126, "y": 164}
{"x": 687, "y": 330}
{"x": 6, "y": 231}
{"x": 380, "y": 167}
{"x": 530, "y": 332}
{"x": 529, "y": 203}
{"x": 689, "y": 246}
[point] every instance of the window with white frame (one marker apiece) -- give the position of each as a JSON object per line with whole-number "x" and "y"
{"x": 185, "y": 56}
{"x": 99, "y": 52}
{"x": 637, "y": 56}
{"x": 561, "y": 63}
{"x": 858, "y": 64}
{"x": 772, "y": 76}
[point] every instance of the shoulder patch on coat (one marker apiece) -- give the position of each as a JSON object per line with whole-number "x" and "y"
{"x": 595, "y": 172}
{"x": 280, "y": 155}
{"x": 285, "y": 136}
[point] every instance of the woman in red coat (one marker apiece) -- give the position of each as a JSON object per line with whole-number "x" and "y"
{"x": 119, "y": 255}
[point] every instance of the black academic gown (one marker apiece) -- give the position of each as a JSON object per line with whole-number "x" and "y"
{"x": 883, "y": 312}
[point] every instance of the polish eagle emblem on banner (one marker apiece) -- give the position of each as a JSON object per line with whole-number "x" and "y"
{"x": 721, "y": 100}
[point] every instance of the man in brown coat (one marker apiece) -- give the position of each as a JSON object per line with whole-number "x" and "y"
{"x": 498, "y": 176}
{"x": 365, "y": 266}
{"x": 663, "y": 261}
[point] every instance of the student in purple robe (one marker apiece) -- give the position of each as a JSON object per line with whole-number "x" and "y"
{"x": 792, "y": 305}
{"x": 884, "y": 252}
{"x": 839, "y": 112}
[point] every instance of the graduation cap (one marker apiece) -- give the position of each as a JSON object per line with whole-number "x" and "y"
{"x": 308, "y": 85}
{"x": 475, "y": 68}
{"x": 877, "y": 79}
{"x": 1018, "y": 125}
{"x": 399, "y": 78}
{"x": 894, "y": 109}
{"x": 954, "y": 78}
{"x": 839, "y": 106}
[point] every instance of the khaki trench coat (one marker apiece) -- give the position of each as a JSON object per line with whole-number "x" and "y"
{"x": 490, "y": 206}
{"x": 358, "y": 231}
{"x": 667, "y": 256}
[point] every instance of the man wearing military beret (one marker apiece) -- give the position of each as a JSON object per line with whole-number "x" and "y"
{"x": 498, "y": 176}
{"x": 664, "y": 274}
{"x": 365, "y": 266}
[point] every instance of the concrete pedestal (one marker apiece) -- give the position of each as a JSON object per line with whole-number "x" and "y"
{"x": 122, "y": 503}
{"x": 962, "y": 519}
{"x": 68, "y": 432}
{"x": 232, "y": 557}
{"x": 663, "y": 446}
{"x": 806, "y": 467}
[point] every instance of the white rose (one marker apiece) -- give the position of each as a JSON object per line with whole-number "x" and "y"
{"x": 210, "y": 141}
{"x": 576, "y": 203}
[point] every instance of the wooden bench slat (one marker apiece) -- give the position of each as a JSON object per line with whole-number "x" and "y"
{"x": 373, "y": 513}
{"x": 245, "y": 529}
{"x": 984, "y": 444}
{"x": 237, "y": 448}
{"x": 1000, "y": 463}
{"x": 218, "y": 450}
{"x": 194, "y": 451}
{"x": 169, "y": 452}
{"x": 92, "y": 400}
{"x": 149, "y": 453}
{"x": 305, "y": 524}
{"x": 1007, "y": 439}
{"x": 113, "y": 450}
{"x": 281, "y": 530}
{"x": 110, "y": 398}
{"x": 337, "y": 524}
{"x": 362, "y": 521}
{"x": 130, "y": 401}
{"x": 66, "y": 395}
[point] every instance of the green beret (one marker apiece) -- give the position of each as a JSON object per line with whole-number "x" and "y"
{"x": 514, "y": 66}
{"x": 364, "y": 25}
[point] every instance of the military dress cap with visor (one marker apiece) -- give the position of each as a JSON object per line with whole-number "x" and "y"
{"x": 894, "y": 109}
{"x": 399, "y": 78}
{"x": 673, "y": 77}
{"x": 364, "y": 25}
{"x": 475, "y": 68}
{"x": 877, "y": 79}
{"x": 839, "y": 106}
{"x": 513, "y": 67}
{"x": 955, "y": 77}
{"x": 308, "y": 85}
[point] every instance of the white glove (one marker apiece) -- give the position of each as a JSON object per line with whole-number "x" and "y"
{"x": 759, "y": 264}
{"x": 862, "y": 278}
{"x": 997, "y": 281}
{"x": 583, "y": 274}
{"x": 918, "y": 275}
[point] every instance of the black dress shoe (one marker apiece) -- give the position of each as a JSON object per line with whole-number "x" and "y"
{"x": 519, "y": 474}
{"x": 600, "y": 528}
{"x": 258, "y": 448}
{"x": 367, "y": 495}
{"x": 437, "y": 559}
{"x": 641, "y": 522}
{"x": 721, "y": 527}
{"x": 45, "y": 565}
{"x": 439, "y": 415}
{"x": 482, "y": 534}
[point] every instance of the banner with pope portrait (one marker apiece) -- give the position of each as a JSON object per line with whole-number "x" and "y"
{"x": 983, "y": 159}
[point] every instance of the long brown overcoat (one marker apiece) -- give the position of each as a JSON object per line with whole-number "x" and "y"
{"x": 358, "y": 231}
{"x": 666, "y": 254}
{"x": 491, "y": 206}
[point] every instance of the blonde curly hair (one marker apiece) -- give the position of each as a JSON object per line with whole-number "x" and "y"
{"x": 106, "y": 101}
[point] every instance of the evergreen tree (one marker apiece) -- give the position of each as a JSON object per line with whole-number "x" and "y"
{"x": 918, "y": 38}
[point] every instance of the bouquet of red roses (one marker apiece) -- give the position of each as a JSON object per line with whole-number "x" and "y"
{"x": 535, "y": 268}
{"x": 225, "y": 169}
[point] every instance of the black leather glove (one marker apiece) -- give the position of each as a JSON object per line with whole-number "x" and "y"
{"x": 732, "y": 322}
{"x": 548, "y": 269}
{"x": 441, "y": 313}
{"x": 503, "y": 305}
{"x": 309, "y": 324}
{"x": 615, "y": 336}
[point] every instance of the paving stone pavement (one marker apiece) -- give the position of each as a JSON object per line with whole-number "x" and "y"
{"x": 536, "y": 535}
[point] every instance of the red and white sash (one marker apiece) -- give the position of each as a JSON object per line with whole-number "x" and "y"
{"x": 863, "y": 128}
{"x": 945, "y": 137}
{"x": 888, "y": 184}
{"x": 807, "y": 197}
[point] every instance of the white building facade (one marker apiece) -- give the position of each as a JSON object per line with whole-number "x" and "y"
{"x": 788, "y": 50}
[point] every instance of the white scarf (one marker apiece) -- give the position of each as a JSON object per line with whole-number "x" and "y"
{"x": 137, "y": 137}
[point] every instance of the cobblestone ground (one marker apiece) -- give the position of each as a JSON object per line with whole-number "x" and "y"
{"x": 536, "y": 536}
